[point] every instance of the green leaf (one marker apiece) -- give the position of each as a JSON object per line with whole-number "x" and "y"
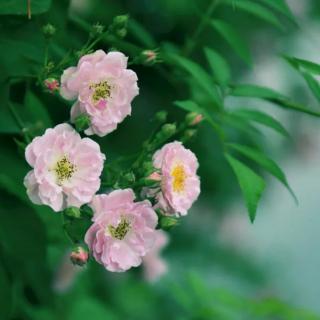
{"x": 219, "y": 66}
{"x": 36, "y": 111}
{"x": 5, "y": 294}
{"x": 251, "y": 184}
{"x": 305, "y": 65}
{"x": 265, "y": 162}
{"x": 313, "y": 84}
{"x": 8, "y": 123}
{"x": 280, "y": 6}
{"x": 305, "y": 68}
{"x": 250, "y": 90}
{"x": 19, "y": 7}
{"x": 199, "y": 75}
{"x": 271, "y": 96}
{"x": 85, "y": 308}
{"x": 235, "y": 41}
{"x": 256, "y": 10}
{"x": 141, "y": 34}
{"x": 262, "y": 118}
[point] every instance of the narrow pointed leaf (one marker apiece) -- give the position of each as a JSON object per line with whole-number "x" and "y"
{"x": 257, "y": 10}
{"x": 261, "y": 118}
{"x": 265, "y": 162}
{"x": 301, "y": 64}
{"x": 235, "y": 41}
{"x": 313, "y": 84}
{"x": 141, "y": 34}
{"x": 200, "y": 75}
{"x": 251, "y": 184}
{"x": 219, "y": 66}
{"x": 280, "y": 6}
{"x": 253, "y": 91}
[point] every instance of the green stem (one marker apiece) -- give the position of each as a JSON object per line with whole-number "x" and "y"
{"x": 19, "y": 122}
{"x": 190, "y": 45}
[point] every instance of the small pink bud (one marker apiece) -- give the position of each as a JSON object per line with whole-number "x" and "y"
{"x": 79, "y": 256}
{"x": 155, "y": 176}
{"x": 51, "y": 84}
{"x": 193, "y": 118}
{"x": 150, "y": 55}
{"x": 197, "y": 119}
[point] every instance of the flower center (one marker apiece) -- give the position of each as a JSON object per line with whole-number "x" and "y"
{"x": 101, "y": 91}
{"x": 179, "y": 177}
{"x": 120, "y": 231}
{"x": 64, "y": 169}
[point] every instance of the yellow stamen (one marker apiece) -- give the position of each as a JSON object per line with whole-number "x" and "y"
{"x": 120, "y": 231}
{"x": 179, "y": 177}
{"x": 101, "y": 90}
{"x": 64, "y": 170}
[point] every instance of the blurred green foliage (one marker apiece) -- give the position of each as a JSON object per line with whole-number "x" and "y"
{"x": 200, "y": 68}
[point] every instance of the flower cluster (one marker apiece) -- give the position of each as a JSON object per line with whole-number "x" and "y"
{"x": 67, "y": 171}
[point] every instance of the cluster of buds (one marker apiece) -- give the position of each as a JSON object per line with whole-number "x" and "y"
{"x": 119, "y": 26}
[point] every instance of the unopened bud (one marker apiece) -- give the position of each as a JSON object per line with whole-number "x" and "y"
{"x": 52, "y": 84}
{"x": 155, "y": 176}
{"x": 193, "y": 118}
{"x": 190, "y": 133}
{"x": 120, "y": 21}
{"x": 150, "y": 57}
{"x": 121, "y": 33}
{"x": 82, "y": 122}
{"x": 167, "y": 222}
{"x": 72, "y": 212}
{"x": 130, "y": 177}
{"x": 169, "y": 129}
{"x": 48, "y": 30}
{"x": 161, "y": 116}
{"x": 97, "y": 29}
{"x": 79, "y": 256}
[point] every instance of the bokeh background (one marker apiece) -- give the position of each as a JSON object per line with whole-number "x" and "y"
{"x": 220, "y": 266}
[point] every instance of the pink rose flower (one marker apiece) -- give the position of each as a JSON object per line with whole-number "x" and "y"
{"x": 180, "y": 185}
{"x": 104, "y": 89}
{"x": 66, "y": 169}
{"x": 123, "y": 231}
{"x": 154, "y": 265}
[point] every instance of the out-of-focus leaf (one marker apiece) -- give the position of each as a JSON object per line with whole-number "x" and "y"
{"x": 36, "y": 110}
{"x": 23, "y": 239}
{"x": 141, "y": 34}
{"x": 199, "y": 75}
{"x": 265, "y": 162}
{"x": 313, "y": 84}
{"x": 271, "y": 95}
{"x": 301, "y": 64}
{"x": 251, "y": 90}
{"x": 251, "y": 184}
{"x": 306, "y": 69}
{"x": 86, "y": 307}
{"x": 280, "y": 6}
{"x": 236, "y": 42}
{"x": 19, "y": 7}
{"x": 7, "y": 122}
{"x": 257, "y": 10}
{"x": 5, "y": 294}
{"x": 219, "y": 66}
{"x": 262, "y": 118}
